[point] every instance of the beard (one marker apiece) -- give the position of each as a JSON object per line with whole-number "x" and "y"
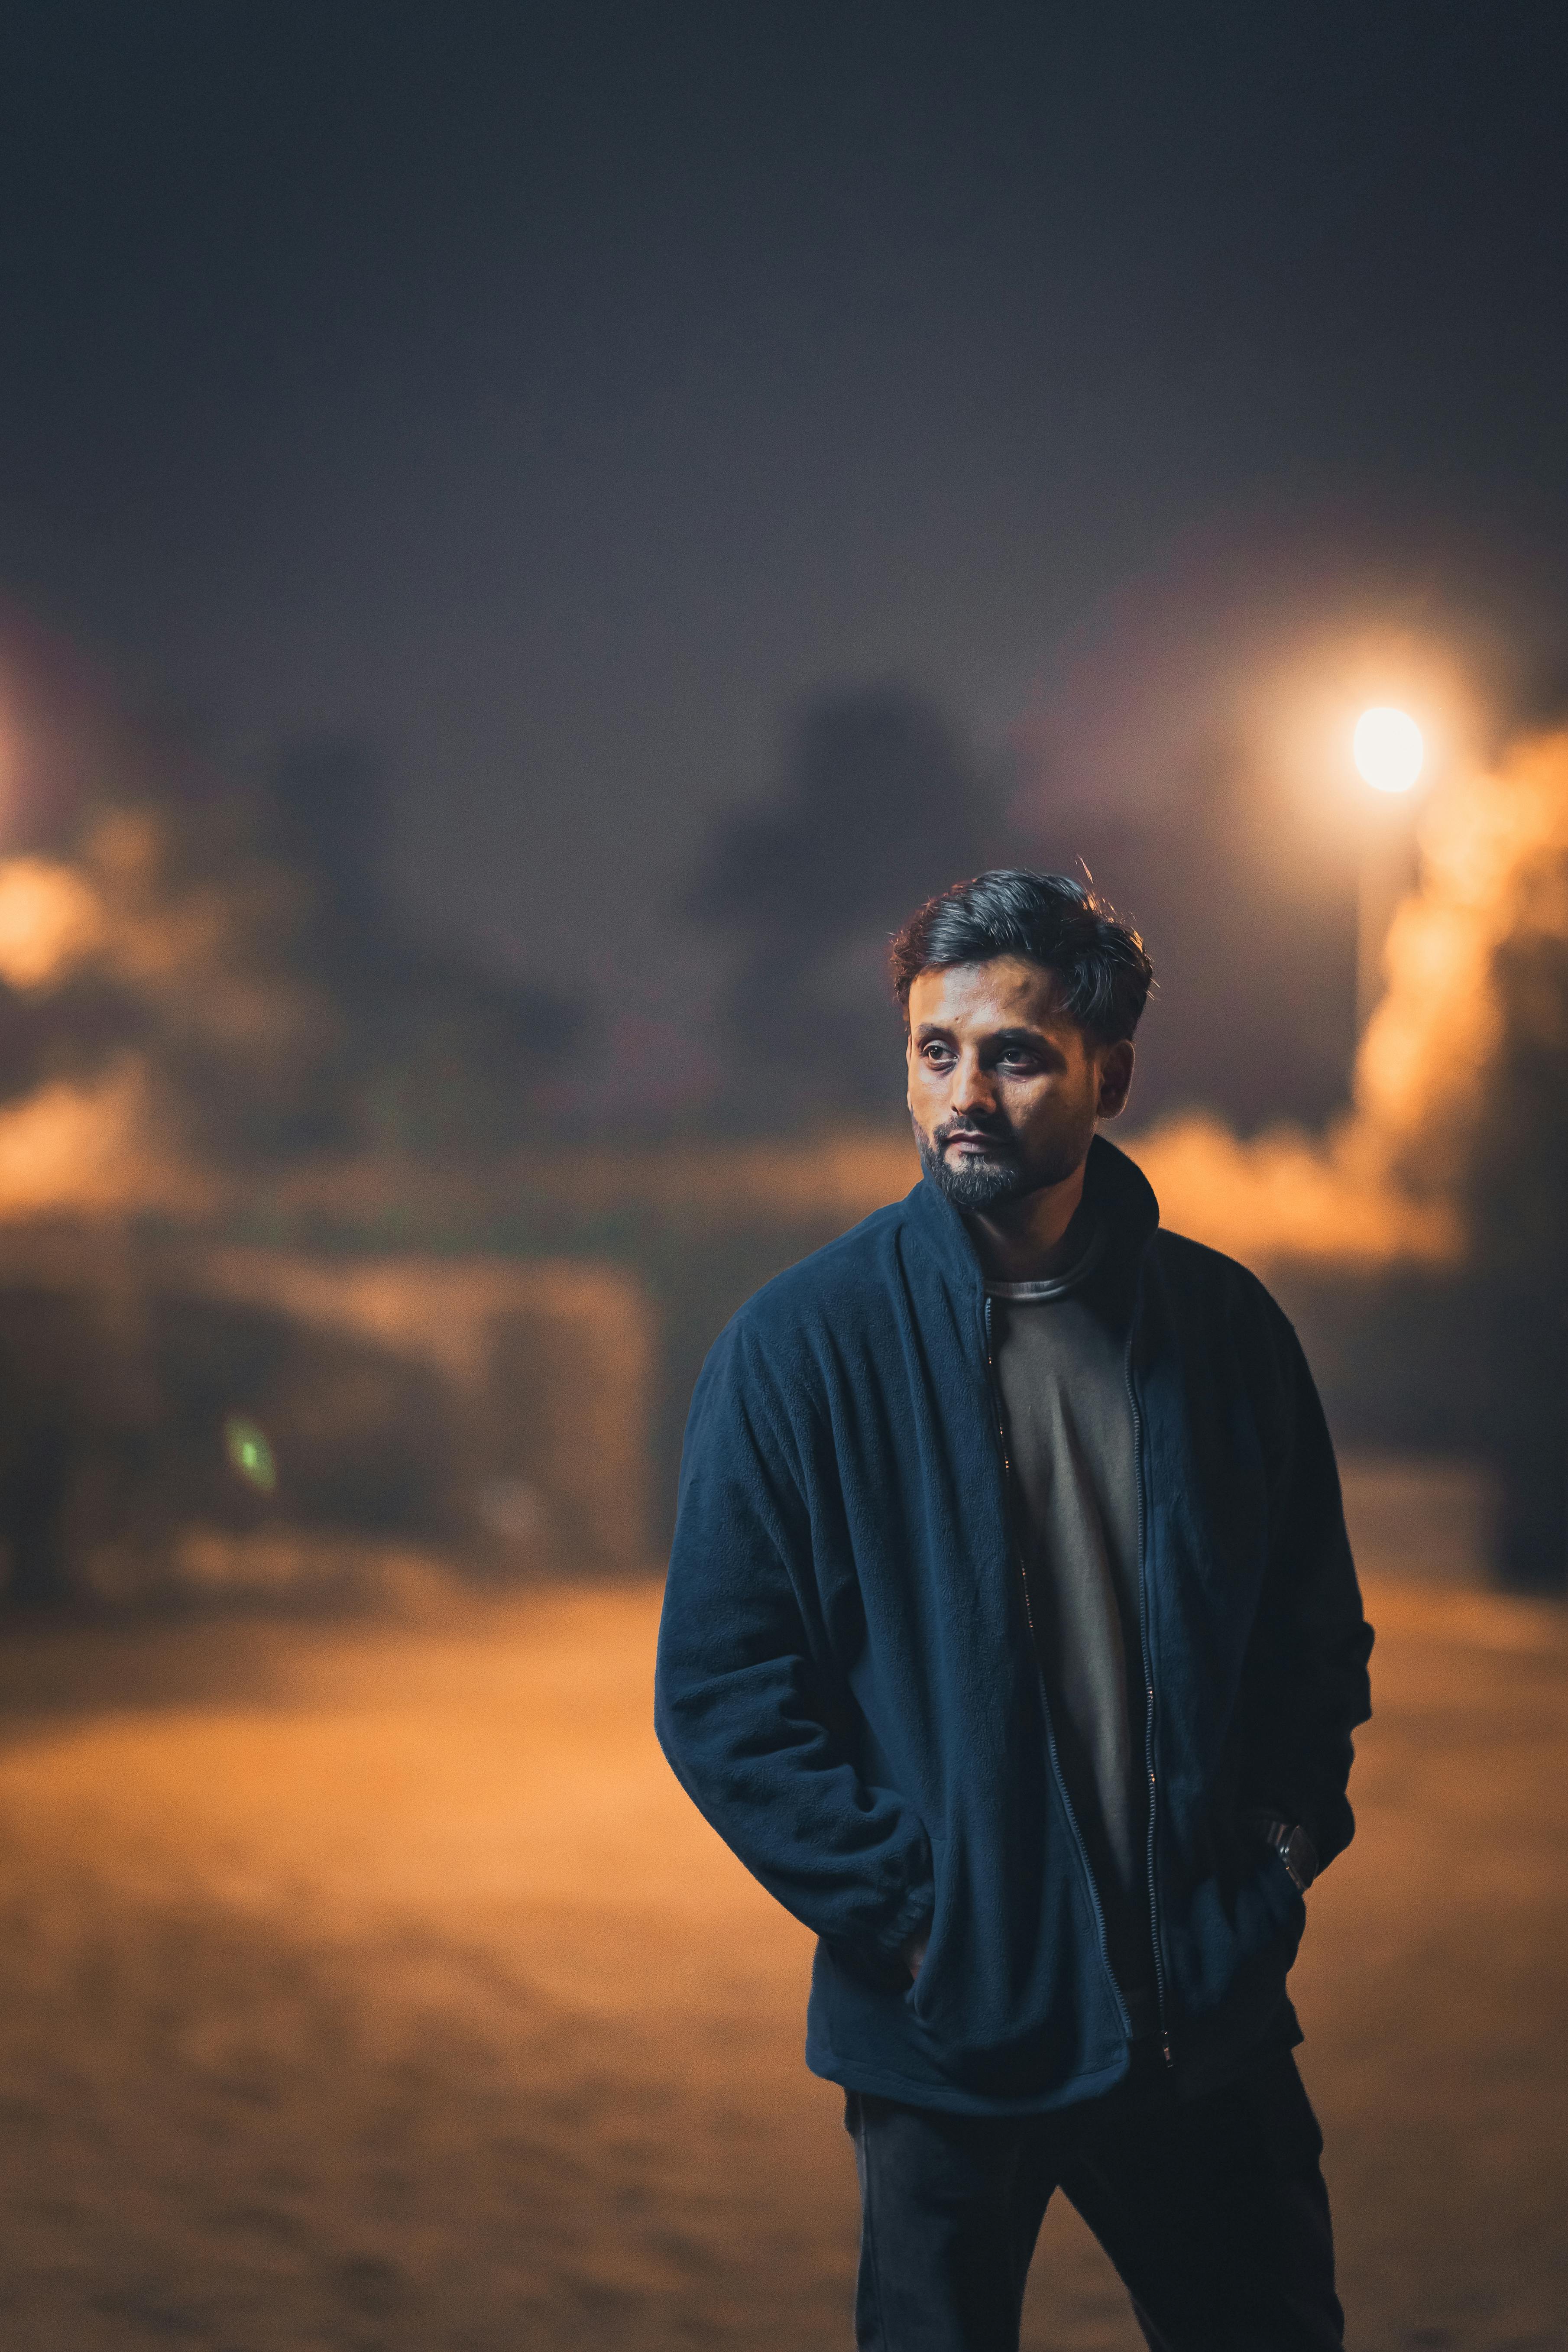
{"x": 982, "y": 1181}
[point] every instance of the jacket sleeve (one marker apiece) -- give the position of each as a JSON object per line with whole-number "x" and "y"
{"x": 1306, "y": 1686}
{"x": 740, "y": 1706}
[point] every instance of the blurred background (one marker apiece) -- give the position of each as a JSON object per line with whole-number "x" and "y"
{"x": 530, "y": 540}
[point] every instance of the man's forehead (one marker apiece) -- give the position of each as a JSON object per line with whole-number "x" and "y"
{"x": 1003, "y": 993}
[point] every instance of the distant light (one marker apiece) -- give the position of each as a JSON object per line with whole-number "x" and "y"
{"x": 1388, "y": 750}
{"x": 249, "y": 1452}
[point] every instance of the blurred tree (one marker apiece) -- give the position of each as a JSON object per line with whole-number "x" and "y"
{"x": 1519, "y": 1207}
{"x": 324, "y": 810}
{"x": 1463, "y": 1085}
{"x": 432, "y": 1053}
{"x": 213, "y": 958}
{"x": 881, "y": 806}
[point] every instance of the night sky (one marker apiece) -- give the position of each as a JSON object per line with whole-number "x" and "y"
{"x": 554, "y": 399}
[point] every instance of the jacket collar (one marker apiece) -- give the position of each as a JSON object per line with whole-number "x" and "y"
{"x": 1113, "y": 1185}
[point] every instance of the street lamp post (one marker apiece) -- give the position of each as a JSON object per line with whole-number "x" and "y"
{"x": 1389, "y": 755}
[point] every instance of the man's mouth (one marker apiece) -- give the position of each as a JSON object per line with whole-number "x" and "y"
{"x": 973, "y": 1139}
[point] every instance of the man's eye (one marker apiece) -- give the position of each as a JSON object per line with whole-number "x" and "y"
{"x": 935, "y": 1054}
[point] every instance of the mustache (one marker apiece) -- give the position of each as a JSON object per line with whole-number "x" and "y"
{"x": 986, "y": 1127}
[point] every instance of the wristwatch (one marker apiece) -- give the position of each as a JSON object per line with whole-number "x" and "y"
{"x": 1295, "y": 1850}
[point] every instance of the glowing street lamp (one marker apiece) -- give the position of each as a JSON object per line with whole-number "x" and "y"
{"x": 1388, "y": 749}
{"x": 1389, "y": 754}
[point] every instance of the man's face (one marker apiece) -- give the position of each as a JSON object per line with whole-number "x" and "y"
{"x": 1004, "y": 1088}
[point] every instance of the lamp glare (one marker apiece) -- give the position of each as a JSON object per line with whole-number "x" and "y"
{"x": 1388, "y": 749}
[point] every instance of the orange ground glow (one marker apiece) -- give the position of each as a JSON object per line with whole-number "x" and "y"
{"x": 376, "y": 1984}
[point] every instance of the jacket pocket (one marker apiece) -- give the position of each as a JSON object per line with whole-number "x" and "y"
{"x": 924, "y": 1991}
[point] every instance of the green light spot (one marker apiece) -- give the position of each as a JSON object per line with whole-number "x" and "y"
{"x": 249, "y": 1452}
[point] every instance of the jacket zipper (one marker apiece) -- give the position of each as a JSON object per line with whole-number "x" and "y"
{"x": 1044, "y": 1697}
{"x": 1149, "y": 1707}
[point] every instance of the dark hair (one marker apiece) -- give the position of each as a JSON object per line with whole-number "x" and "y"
{"x": 1062, "y": 925}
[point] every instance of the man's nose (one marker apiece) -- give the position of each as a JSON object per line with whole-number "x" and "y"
{"x": 973, "y": 1086}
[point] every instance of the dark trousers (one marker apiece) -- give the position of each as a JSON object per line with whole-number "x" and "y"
{"x": 1213, "y": 2213}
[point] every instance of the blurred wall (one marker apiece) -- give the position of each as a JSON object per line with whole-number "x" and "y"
{"x": 178, "y": 1421}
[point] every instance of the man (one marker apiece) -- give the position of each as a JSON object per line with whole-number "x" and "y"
{"x": 1012, "y": 1639}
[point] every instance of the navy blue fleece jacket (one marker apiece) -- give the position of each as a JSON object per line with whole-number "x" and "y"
{"x": 847, "y": 1689}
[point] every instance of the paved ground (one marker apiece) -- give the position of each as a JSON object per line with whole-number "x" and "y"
{"x": 373, "y": 1987}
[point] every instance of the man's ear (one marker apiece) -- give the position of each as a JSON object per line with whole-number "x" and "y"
{"x": 1115, "y": 1079}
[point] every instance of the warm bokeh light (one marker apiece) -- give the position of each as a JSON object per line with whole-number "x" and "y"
{"x": 49, "y": 919}
{"x": 1388, "y": 749}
